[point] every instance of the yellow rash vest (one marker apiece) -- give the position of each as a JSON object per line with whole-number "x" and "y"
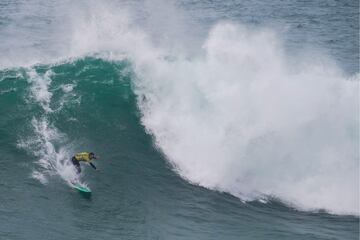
{"x": 83, "y": 157}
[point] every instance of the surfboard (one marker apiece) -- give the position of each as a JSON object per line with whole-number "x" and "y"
{"x": 82, "y": 189}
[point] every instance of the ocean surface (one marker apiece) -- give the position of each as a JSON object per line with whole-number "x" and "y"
{"x": 212, "y": 119}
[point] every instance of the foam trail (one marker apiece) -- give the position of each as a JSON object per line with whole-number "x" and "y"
{"x": 51, "y": 160}
{"x": 47, "y": 143}
{"x": 40, "y": 88}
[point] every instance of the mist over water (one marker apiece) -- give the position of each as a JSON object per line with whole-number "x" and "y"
{"x": 230, "y": 102}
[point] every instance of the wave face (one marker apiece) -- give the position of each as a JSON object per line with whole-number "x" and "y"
{"x": 52, "y": 92}
{"x": 200, "y": 125}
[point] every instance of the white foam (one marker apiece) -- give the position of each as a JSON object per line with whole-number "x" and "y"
{"x": 242, "y": 120}
{"x": 39, "y": 176}
{"x": 67, "y": 87}
{"x": 52, "y": 160}
{"x": 46, "y": 142}
{"x": 40, "y": 88}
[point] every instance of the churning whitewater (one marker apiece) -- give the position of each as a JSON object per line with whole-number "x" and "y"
{"x": 241, "y": 120}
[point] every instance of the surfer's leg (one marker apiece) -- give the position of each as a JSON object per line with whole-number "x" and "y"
{"x": 76, "y": 165}
{"x": 78, "y": 168}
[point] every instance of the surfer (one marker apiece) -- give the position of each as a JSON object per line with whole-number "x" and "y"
{"x": 83, "y": 157}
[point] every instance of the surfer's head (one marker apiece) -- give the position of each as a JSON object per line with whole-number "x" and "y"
{"x": 92, "y": 155}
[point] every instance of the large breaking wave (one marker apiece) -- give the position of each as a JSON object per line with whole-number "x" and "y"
{"x": 239, "y": 115}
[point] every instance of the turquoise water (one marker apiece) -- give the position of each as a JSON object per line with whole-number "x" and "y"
{"x": 213, "y": 120}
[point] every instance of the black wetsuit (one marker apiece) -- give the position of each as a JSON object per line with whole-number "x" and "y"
{"x": 76, "y": 164}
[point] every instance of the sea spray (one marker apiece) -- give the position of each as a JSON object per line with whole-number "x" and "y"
{"x": 240, "y": 119}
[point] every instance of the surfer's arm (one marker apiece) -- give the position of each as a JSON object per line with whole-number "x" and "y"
{"x": 91, "y": 164}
